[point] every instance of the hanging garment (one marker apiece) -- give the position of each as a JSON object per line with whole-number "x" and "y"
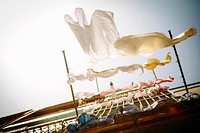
{"x": 97, "y": 38}
{"x": 111, "y": 72}
{"x": 108, "y": 91}
{"x": 130, "y": 68}
{"x": 91, "y": 74}
{"x": 152, "y": 63}
{"x": 159, "y": 81}
{"x": 146, "y": 44}
{"x": 103, "y": 74}
{"x": 150, "y": 83}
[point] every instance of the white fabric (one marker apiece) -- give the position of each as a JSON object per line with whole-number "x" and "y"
{"x": 146, "y": 44}
{"x": 100, "y": 39}
{"x": 91, "y": 74}
{"x": 97, "y": 38}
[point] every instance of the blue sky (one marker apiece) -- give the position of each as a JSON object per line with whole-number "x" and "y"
{"x": 33, "y": 34}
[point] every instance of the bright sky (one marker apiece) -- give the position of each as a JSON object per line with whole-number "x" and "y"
{"x": 33, "y": 34}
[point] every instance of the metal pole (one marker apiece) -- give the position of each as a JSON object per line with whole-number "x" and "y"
{"x": 97, "y": 84}
{"x": 154, "y": 74}
{"x": 179, "y": 64}
{"x": 70, "y": 84}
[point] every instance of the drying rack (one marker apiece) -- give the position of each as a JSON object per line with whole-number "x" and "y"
{"x": 123, "y": 122}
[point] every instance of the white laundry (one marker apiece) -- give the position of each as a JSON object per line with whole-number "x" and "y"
{"x": 97, "y": 38}
{"x": 91, "y": 74}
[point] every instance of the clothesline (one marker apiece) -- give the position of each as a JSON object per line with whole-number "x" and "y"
{"x": 100, "y": 40}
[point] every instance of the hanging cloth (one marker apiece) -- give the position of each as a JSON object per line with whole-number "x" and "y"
{"x": 146, "y": 44}
{"x": 97, "y": 38}
{"x": 91, "y": 74}
{"x": 152, "y": 63}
